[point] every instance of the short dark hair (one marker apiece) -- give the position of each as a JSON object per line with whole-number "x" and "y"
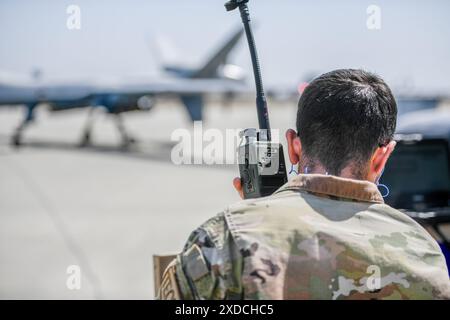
{"x": 343, "y": 116}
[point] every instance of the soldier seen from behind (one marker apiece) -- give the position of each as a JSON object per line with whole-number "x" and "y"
{"x": 327, "y": 233}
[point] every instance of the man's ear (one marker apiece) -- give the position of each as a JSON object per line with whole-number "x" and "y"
{"x": 294, "y": 146}
{"x": 379, "y": 159}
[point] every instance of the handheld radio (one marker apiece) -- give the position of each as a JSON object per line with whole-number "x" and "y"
{"x": 261, "y": 161}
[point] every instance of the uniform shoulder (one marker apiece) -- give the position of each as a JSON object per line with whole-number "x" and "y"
{"x": 416, "y": 230}
{"x": 207, "y": 261}
{"x": 212, "y": 233}
{"x": 403, "y": 218}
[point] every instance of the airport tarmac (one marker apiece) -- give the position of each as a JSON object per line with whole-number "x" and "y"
{"x": 101, "y": 208}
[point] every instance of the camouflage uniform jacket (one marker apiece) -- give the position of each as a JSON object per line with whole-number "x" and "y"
{"x": 317, "y": 237}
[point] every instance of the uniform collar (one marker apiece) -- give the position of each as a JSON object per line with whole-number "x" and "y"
{"x": 328, "y": 185}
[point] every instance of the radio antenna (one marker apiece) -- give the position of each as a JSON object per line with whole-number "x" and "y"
{"x": 261, "y": 103}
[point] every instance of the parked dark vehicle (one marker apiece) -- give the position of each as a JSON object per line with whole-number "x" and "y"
{"x": 417, "y": 177}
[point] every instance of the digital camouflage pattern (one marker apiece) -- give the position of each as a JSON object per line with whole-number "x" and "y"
{"x": 317, "y": 237}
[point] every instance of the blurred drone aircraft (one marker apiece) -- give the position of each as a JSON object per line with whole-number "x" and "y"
{"x": 215, "y": 76}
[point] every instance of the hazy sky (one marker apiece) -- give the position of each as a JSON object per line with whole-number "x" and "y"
{"x": 294, "y": 37}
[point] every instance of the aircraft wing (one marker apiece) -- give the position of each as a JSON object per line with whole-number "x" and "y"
{"x": 178, "y": 87}
{"x": 190, "y": 91}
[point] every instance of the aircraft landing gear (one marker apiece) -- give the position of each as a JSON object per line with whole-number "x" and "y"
{"x": 86, "y": 137}
{"x": 16, "y": 139}
{"x": 127, "y": 140}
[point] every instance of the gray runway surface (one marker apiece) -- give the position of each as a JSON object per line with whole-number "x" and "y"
{"x": 103, "y": 209}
